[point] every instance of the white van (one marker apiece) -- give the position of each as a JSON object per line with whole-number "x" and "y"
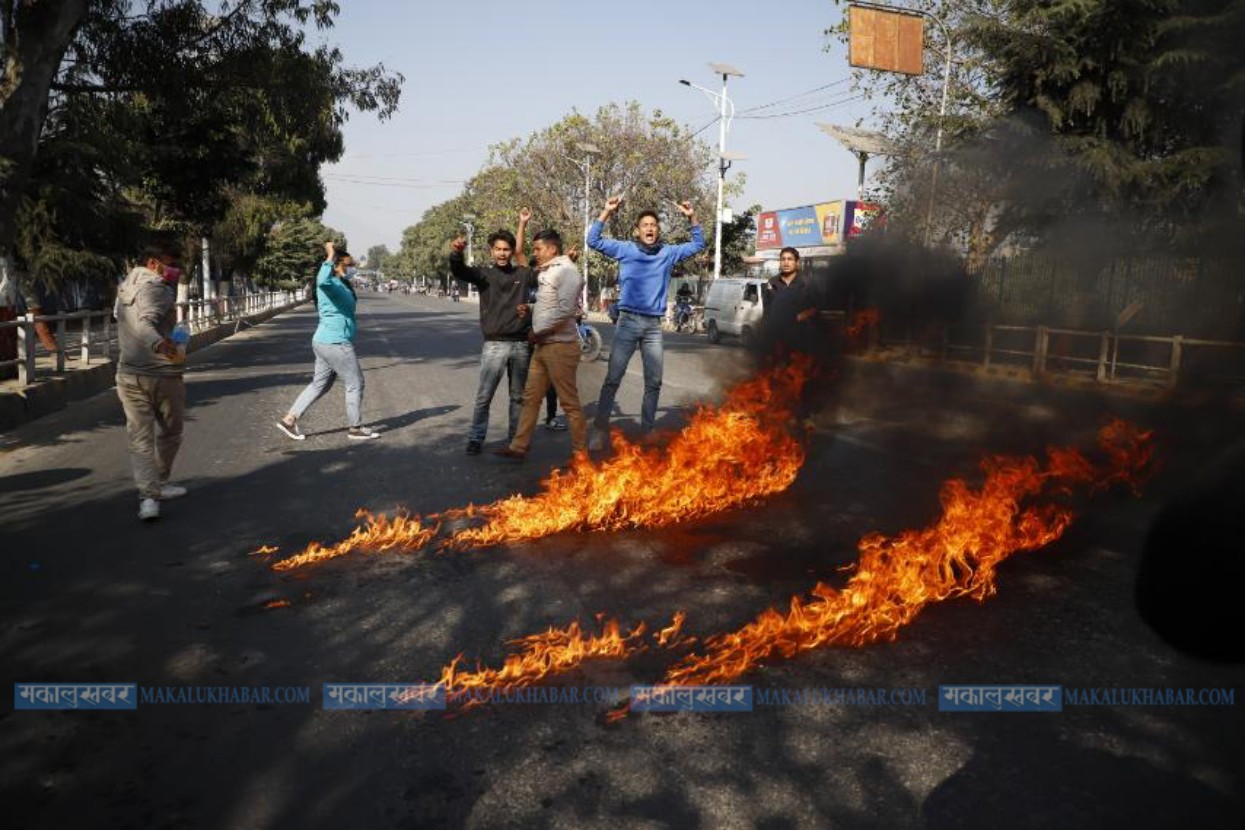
{"x": 734, "y": 306}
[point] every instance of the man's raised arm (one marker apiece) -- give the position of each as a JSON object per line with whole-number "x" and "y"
{"x": 612, "y": 248}
{"x": 459, "y": 267}
{"x": 690, "y": 249}
{"x": 520, "y": 237}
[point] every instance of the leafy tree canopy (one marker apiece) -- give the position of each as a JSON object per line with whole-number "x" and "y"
{"x": 1074, "y": 114}
{"x": 174, "y": 113}
{"x": 649, "y": 159}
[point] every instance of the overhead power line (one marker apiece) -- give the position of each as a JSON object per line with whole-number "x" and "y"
{"x": 830, "y": 105}
{"x": 793, "y": 97}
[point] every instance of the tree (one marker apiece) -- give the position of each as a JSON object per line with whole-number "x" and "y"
{"x": 650, "y": 159}
{"x": 1116, "y": 119}
{"x": 739, "y": 240}
{"x": 215, "y": 102}
{"x": 378, "y": 257}
{"x": 35, "y": 37}
{"x": 294, "y": 251}
{"x": 246, "y": 229}
{"x": 1143, "y": 103}
{"x": 425, "y": 245}
{"x": 951, "y": 197}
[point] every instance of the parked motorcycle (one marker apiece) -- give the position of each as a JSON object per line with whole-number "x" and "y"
{"x": 684, "y": 317}
{"x": 589, "y": 341}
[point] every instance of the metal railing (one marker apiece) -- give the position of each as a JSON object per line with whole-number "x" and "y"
{"x": 87, "y": 336}
{"x": 1106, "y": 356}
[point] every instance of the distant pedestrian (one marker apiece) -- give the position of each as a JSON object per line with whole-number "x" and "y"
{"x": 149, "y": 377}
{"x": 333, "y": 344}
{"x": 644, "y": 269}
{"x": 555, "y": 358}
{"x": 503, "y": 288}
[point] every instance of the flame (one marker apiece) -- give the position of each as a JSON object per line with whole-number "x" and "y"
{"x": 276, "y": 603}
{"x": 726, "y": 456}
{"x": 552, "y": 652}
{"x": 669, "y": 637}
{"x": 555, "y": 651}
{"x": 263, "y": 550}
{"x": 956, "y": 556}
{"x": 1131, "y": 452}
{"x": 379, "y": 533}
{"x": 860, "y": 323}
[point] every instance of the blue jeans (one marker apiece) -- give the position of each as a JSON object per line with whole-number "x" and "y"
{"x": 508, "y": 357}
{"x": 334, "y": 359}
{"x": 633, "y": 330}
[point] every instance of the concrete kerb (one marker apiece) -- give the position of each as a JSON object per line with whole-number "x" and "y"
{"x": 49, "y": 394}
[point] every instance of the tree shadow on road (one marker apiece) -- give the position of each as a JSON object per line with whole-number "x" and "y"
{"x": 183, "y": 603}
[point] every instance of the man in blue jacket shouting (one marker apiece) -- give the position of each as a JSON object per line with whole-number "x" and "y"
{"x": 644, "y": 268}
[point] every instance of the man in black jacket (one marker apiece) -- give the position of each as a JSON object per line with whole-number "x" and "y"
{"x": 789, "y": 309}
{"x": 503, "y": 287}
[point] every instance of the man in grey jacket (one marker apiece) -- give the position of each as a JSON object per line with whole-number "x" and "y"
{"x": 149, "y": 378}
{"x": 555, "y": 358}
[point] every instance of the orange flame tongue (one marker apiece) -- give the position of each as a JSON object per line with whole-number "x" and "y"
{"x": 898, "y": 577}
{"x": 375, "y": 533}
{"x": 860, "y": 323}
{"x": 726, "y": 456}
{"x": 552, "y": 652}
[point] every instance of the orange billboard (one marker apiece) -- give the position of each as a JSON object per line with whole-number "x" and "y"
{"x": 890, "y": 41}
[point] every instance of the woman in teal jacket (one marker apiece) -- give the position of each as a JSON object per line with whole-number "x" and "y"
{"x": 333, "y": 344}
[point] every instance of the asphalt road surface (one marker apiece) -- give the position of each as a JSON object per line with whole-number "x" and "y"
{"x": 90, "y": 595}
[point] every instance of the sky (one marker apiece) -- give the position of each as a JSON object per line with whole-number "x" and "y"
{"x": 482, "y": 72}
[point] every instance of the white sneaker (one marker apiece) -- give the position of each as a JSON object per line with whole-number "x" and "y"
{"x": 596, "y": 439}
{"x": 148, "y": 510}
{"x": 361, "y": 434}
{"x": 291, "y": 430}
{"x": 171, "y": 491}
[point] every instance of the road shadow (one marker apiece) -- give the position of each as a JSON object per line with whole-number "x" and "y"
{"x": 184, "y": 603}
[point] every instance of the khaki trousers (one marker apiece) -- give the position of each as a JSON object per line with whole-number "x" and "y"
{"x": 554, "y": 363}
{"x": 155, "y": 407}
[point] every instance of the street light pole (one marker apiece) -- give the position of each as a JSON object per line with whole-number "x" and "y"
{"x": 584, "y": 253}
{"x": 726, "y": 111}
{"x": 466, "y": 223}
{"x": 589, "y": 150}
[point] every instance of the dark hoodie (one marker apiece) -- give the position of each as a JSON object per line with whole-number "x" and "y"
{"x": 501, "y": 292}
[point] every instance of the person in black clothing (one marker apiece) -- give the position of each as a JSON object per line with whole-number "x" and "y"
{"x": 503, "y": 288}
{"x": 789, "y": 308}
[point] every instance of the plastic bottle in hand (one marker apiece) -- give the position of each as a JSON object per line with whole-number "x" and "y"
{"x": 180, "y": 337}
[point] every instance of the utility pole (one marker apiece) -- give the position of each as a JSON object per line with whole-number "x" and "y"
{"x": 589, "y": 150}
{"x": 726, "y": 111}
